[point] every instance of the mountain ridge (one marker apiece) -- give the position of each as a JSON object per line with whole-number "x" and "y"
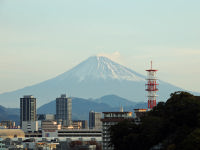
{"x": 80, "y": 107}
{"x": 115, "y": 101}
{"x": 92, "y": 78}
{"x": 101, "y": 67}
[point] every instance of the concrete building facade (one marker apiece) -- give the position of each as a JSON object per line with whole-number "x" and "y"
{"x": 64, "y": 110}
{"x": 95, "y": 120}
{"x": 28, "y": 113}
{"x": 50, "y": 128}
{"x": 45, "y": 117}
{"x": 111, "y": 118}
{"x": 30, "y": 126}
{"x": 28, "y": 108}
{"x": 81, "y": 123}
{"x": 8, "y": 124}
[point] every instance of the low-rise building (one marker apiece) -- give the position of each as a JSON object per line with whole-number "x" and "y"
{"x": 50, "y": 128}
{"x": 8, "y": 124}
{"x": 30, "y": 126}
{"x": 11, "y": 133}
{"x": 111, "y": 118}
{"x": 139, "y": 113}
{"x": 2, "y": 145}
{"x": 81, "y": 133}
{"x": 77, "y": 124}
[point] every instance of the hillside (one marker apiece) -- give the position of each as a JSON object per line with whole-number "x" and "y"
{"x": 81, "y": 107}
{"x": 173, "y": 125}
{"x": 95, "y": 77}
{"x": 9, "y": 114}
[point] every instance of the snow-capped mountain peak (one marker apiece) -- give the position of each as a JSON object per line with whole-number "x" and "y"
{"x": 100, "y": 67}
{"x": 95, "y": 77}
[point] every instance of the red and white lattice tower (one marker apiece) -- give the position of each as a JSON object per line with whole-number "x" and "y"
{"x": 151, "y": 87}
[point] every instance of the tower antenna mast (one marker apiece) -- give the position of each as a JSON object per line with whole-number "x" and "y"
{"x": 151, "y": 87}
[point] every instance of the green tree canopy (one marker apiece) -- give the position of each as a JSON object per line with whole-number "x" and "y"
{"x": 173, "y": 125}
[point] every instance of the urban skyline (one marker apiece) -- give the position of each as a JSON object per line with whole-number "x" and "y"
{"x": 38, "y": 45}
{"x": 100, "y": 59}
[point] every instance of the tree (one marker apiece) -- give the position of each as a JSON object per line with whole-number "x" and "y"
{"x": 192, "y": 141}
{"x": 169, "y": 125}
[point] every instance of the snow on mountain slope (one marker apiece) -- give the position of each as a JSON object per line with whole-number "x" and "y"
{"x": 95, "y": 77}
{"x": 99, "y": 67}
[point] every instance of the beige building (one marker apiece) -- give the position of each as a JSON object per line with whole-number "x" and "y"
{"x": 11, "y": 133}
{"x": 50, "y": 128}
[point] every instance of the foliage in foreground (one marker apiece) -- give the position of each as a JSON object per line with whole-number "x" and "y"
{"x": 173, "y": 125}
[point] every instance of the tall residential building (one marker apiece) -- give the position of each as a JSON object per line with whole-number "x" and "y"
{"x": 28, "y": 113}
{"x": 111, "y": 118}
{"x": 27, "y": 108}
{"x": 95, "y": 120}
{"x": 64, "y": 110}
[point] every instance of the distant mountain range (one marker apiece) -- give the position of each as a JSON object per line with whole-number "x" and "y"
{"x": 9, "y": 114}
{"x": 115, "y": 101}
{"x": 95, "y": 77}
{"x": 80, "y": 107}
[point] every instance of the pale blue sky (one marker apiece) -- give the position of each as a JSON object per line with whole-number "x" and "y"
{"x": 40, "y": 39}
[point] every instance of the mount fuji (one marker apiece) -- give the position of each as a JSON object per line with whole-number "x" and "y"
{"x": 95, "y": 77}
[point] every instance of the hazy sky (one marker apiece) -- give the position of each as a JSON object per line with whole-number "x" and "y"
{"x": 40, "y": 39}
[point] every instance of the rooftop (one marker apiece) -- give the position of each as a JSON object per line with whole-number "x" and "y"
{"x": 118, "y": 112}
